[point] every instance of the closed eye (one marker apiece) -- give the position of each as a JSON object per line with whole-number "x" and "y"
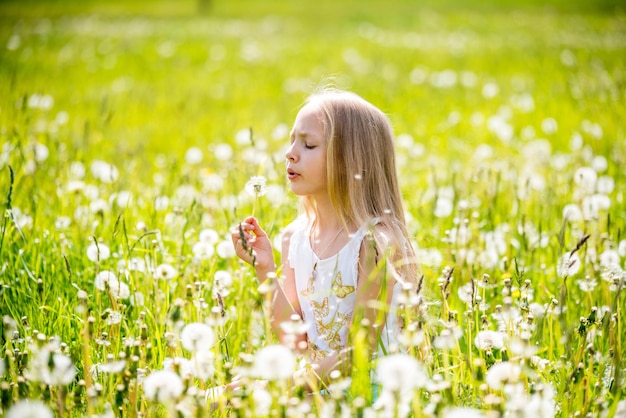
{"x": 307, "y": 146}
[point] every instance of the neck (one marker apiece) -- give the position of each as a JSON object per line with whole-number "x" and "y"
{"x": 326, "y": 219}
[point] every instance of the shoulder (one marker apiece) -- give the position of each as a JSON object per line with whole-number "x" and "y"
{"x": 381, "y": 235}
{"x": 296, "y": 227}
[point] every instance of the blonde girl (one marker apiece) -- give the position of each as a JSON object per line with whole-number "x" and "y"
{"x": 345, "y": 258}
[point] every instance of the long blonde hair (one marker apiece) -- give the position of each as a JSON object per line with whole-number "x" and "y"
{"x": 361, "y": 171}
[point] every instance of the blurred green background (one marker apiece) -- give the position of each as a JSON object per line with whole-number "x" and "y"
{"x": 139, "y": 78}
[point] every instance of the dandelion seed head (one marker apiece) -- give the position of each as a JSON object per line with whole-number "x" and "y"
{"x": 28, "y": 408}
{"x": 501, "y": 374}
{"x": 193, "y": 156}
{"x": 572, "y": 213}
{"x": 103, "y": 171}
{"x": 98, "y": 252}
{"x": 400, "y": 372}
{"x": 163, "y": 386}
{"x": 256, "y": 186}
{"x": 274, "y": 362}
{"x": 462, "y": 413}
{"x": 585, "y": 179}
{"x": 165, "y": 272}
{"x": 223, "y": 152}
{"x": 203, "y": 250}
{"x": 225, "y": 249}
{"x": 568, "y": 265}
{"x": 104, "y": 278}
{"x": 197, "y": 336}
{"x": 201, "y": 365}
{"x": 489, "y": 340}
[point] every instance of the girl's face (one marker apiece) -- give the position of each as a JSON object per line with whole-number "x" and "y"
{"x": 306, "y": 156}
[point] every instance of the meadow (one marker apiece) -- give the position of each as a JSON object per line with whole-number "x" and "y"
{"x": 130, "y": 132}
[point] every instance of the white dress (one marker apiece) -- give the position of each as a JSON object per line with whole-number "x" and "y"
{"x": 327, "y": 292}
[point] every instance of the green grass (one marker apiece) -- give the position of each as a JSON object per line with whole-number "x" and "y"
{"x": 137, "y": 84}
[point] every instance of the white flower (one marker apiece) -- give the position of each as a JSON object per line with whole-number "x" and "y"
{"x": 210, "y": 236}
{"x": 609, "y": 257}
{"x": 488, "y": 340}
{"x": 462, "y": 413}
{"x": 256, "y": 186}
{"x": 165, "y": 272}
{"x": 223, "y": 152}
{"x": 501, "y": 374}
{"x": 98, "y": 252}
{"x": 201, "y": 365}
{"x": 51, "y": 368}
{"x": 197, "y": 337}
{"x": 2, "y": 366}
{"x": 621, "y": 248}
{"x": 103, "y": 278}
{"x": 105, "y": 172}
{"x": 467, "y": 292}
{"x": 223, "y": 280}
{"x": 568, "y": 265}
{"x": 443, "y": 207}
{"x": 163, "y": 386}
{"x": 541, "y": 403}
{"x": 400, "y": 373}
{"x": 193, "y": 156}
{"x": 28, "y": 408}
{"x": 585, "y": 178}
{"x": 274, "y": 362}
{"x": 225, "y": 249}
{"x": 203, "y": 250}
{"x": 262, "y": 402}
{"x": 572, "y": 213}
{"x": 111, "y": 367}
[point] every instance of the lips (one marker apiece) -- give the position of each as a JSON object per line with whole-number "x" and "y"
{"x": 291, "y": 174}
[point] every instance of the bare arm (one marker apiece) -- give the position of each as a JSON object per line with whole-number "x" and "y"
{"x": 253, "y": 246}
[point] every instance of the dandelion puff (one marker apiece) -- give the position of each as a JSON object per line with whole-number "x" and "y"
{"x": 165, "y": 272}
{"x": 29, "y": 408}
{"x": 203, "y": 250}
{"x": 621, "y": 248}
{"x": 501, "y": 374}
{"x": 274, "y": 362}
{"x": 193, "y": 156}
{"x": 462, "y": 413}
{"x": 585, "y": 179}
{"x": 609, "y": 257}
{"x": 208, "y": 235}
{"x": 112, "y": 366}
{"x": 572, "y": 213}
{"x": 2, "y": 367}
{"x": 400, "y": 372}
{"x": 223, "y": 152}
{"x": 568, "y": 265}
{"x": 489, "y": 340}
{"x": 201, "y": 365}
{"x": 197, "y": 337}
{"x": 225, "y": 249}
{"x": 98, "y": 252}
{"x": 55, "y": 369}
{"x": 104, "y": 278}
{"x": 262, "y": 402}
{"x": 179, "y": 365}
{"x": 256, "y": 186}
{"x": 162, "y": 386}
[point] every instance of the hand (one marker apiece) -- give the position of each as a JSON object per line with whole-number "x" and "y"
{"x": 253, "y": 246}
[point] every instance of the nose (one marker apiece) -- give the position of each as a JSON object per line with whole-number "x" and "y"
{"x": 290, "y": 154}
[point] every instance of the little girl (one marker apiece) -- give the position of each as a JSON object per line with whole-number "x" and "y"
{"x": 348, "y": 253}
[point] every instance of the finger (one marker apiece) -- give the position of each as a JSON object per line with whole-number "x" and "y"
{"x": 255, "y": 227}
